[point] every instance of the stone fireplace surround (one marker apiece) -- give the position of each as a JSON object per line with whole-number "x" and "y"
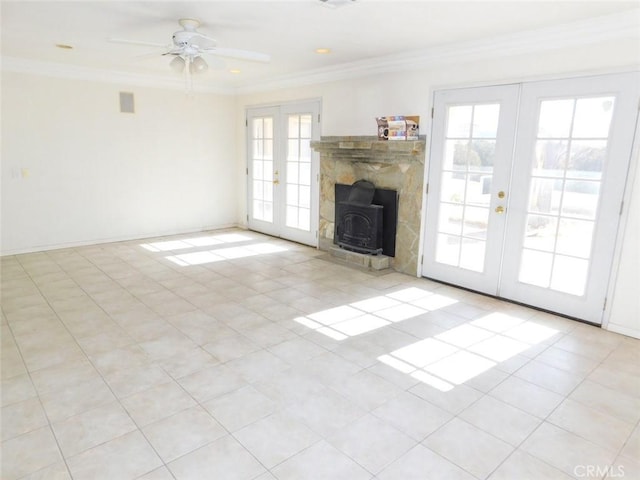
{"x": 393, "y": 164}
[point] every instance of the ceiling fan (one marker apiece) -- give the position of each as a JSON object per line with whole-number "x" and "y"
{"x": 188, "y": 46}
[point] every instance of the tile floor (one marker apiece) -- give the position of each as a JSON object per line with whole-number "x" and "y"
{"x": 231, "y": 355}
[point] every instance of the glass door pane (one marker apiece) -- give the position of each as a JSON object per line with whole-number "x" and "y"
{"x": 262, "y": 168}
{"x": 466, "y": 179}
{"x": 568, "y": 161}
{"x": 298, "y": 172}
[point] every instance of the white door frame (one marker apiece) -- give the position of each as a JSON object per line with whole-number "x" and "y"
{"x": 507, "y": 97}
{"x": 617, "y": 223}
{"x": 590, "y": 306}
{"x": 280, "y": 112}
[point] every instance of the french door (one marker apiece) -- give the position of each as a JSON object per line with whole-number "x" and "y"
{"x": 283, "y": 171}
{"x": 525, "y": 189}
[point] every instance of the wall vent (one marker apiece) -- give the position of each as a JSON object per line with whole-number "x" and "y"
{"x": 126, "y": 102}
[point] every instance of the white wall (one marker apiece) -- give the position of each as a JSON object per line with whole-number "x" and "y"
{"x": 349, "y": 107}
{"x": 624, "y": 315}
{"x": 75, "y": 170}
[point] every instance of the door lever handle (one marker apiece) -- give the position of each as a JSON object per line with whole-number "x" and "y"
{"x": 499, "y": 209}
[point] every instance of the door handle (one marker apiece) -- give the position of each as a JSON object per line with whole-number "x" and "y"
{"x": 276, "y": 182}
{"x": 499, "y": 209}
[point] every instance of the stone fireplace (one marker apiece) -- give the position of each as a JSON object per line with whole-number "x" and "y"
{"x": 395, "y": 165}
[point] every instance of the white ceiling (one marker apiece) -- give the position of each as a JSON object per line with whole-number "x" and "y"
{"x": 289, "y": 31}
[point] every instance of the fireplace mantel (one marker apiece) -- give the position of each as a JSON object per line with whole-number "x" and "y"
{"x": 370, "y": 149}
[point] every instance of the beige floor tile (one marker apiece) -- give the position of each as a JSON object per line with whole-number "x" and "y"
{"x": 127, "y": 457}
{"x": 274, "y": 439}
{"x": 93, "y": 427}
{"x": 320, "y": 462}
{"x": 607, "y": 400}
{"x": 76, "y": 399}
{"x": 616, "y": 379}
{"x": 631, "y": 448}
{"x": 157, "y": 402}
{"x": 527, "y": 396}
{"x": 183, "y": 432}
{"x": 593, "y": 425}
{"x": 420, "y": 463}
{"x": 22, "y": 417}
{"x": 230, "y": 347}
{"x": 371, "y": 442}
{"x": 58, "y": 471}
{"x": 625, "y": 467}
{"x": 223, "y": 458}
{"x": 161, "y": 473}
{"x": 290, "y": 386}
{"x": 521, "y": 465}
{"x": 328, "y": 368}
{"x": 366, "y": 389}
{"x": 184, "y": 363}
{"x": 240, "y": 408}
{"x": 16, "y": 388}
{"x": 412, "y": 415}
{"x": 551, "y": 378}
{"x": 296, "y": 350}
{"x": 501, "y": 420}
{"x": 564, "y": 360}
{"x": 479, "y": 454}
{"x": 59, "y": 377}
{"x": 566, "y": 451}
{"x": 127, "y": 381}
{"x": 29, "y": 453}
{"x": 259, "y": 365}
{"x": 167, "y": 345}
{"x": 325, "y": 412}
{"x": 106, "y": 341}
{"x": 211, "y": 382}
{"x": 122, "y": 358}
{"x": 453, "y": 401}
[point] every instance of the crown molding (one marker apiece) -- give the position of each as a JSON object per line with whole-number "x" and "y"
{"x": 581, "y": 33}
{"x": 74, "y": 72}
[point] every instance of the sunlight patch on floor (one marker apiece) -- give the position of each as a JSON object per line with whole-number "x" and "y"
{"x": 203, "y": 241}
{"x": 223, "y": 254}
{"x": 367, "y": 315}
{"x": 453, "y": 357}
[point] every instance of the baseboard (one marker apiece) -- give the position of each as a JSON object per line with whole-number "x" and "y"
{"x": 126, "y": 238}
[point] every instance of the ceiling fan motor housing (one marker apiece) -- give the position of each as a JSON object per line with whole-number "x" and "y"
{"x": 182, "y": 38}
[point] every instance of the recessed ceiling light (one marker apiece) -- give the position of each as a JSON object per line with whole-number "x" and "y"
{"x": 323, "y": 51}
{"x": 234, "y": 70}
{"x": 64, "y": 46}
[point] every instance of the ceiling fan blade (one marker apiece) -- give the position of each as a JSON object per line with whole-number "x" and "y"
{"x": 136, "y": 42}
{"x": 238, "y": 54}
{"x": 202, "y": 41}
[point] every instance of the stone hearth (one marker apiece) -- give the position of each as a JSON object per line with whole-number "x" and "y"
{"x": 396, "y": 165}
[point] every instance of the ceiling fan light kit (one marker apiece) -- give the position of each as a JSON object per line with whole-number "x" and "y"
{"x": 188, "y": 46}
{"x": 196, "y": 64}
